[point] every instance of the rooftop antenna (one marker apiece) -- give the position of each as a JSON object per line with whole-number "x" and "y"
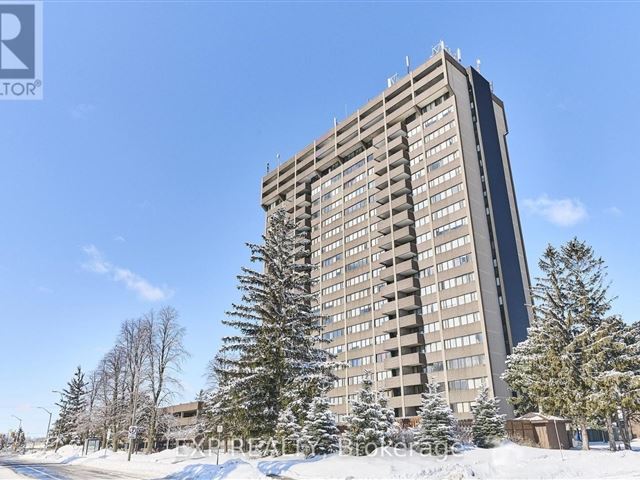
{"x": 392, "y": 80}
{"x": 335, "y": 122}
{"x": 438, "y": 47}
{"x": 267, "y": 167}
{"x": 478, "y": 64}
{"x": 407, "y": 63}
{"x": 459, "y": 55}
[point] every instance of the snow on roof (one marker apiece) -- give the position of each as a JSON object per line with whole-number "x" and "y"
{"x": 539, "y": 417}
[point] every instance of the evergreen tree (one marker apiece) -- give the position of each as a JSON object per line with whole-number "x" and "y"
{"x": 276, "y": 355}
{"x": 320, "y": 434}
{"x": 549, "y": 370}
{"x": 613, "y": 356}
{"x": 72, "y": 407}
{"x": 436, "y": 431}
{"x": 488, "y": 424}
{"x": 288, "y": 432}
{"x": 369, "y": 422}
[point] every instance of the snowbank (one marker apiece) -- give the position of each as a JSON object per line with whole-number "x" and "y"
{"x": 509, "y": 461}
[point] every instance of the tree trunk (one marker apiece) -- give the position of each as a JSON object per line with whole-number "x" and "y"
{"x": 625, "y": 430}
{"x": 585, "y": 437}
{"x": 151, "y": 437}
{"x": 612, "y": 442}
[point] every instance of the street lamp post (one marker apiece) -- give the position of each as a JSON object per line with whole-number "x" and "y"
{"x": 46, "y": 440}
{"x": 20, "y": 420}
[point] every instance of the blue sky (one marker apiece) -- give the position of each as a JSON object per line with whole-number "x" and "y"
{"x": 136, "y": 181}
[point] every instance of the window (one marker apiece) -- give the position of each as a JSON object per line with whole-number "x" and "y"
{"x": 358, "y": 362}
{"x": 430, "y": 308}
{"x": 419, "y": 206}
{"x": 462, "y": 407}
{"x": 333, "y": 334}
{"x": 355, "y": 221}
{"x": 454, "y": 262}
{"x": 419, "y": 190}
{"x": 354, "y": 312}
{"x": 355, "y": 180}
{"x": 428, "y": 290}
{"x": 415, "y": 145}
{"x": 468, "y": 383}
{"x": 441, "y": 131}
{"x": 354, "y": 167}
{"x": 355, "y": 235}
{"x": 331, "y": 206}
{"x": 332, "y": 274}
{"x": 461, "y": 320}
{"x": 331, "y": 260}
{"x": 450, "y": 226}
{"x": 365, "y": 342}
{"x": 441, "y": 146}
{"x": 332, "y": 246}
{"x": 463, "y": 341}
{"x": 332, "y": 289}
{"x": 431, "y": 327}
{"x": 331, "y": 219}
{"x": 425, "y": 237}
{"x": 426, "y": 254}
{"x": 332, "y": 303}
{"x": 382, "y": 338}
{"x": 357, "y": 249}
{"x": 443, "y": 161}
{"x": 417, "y": 175}
{"x": 416, "y": 160}
{"x": 465, "y": 362}
{"x": 459, "y": 300}
{"x": 331, "y": 194}
{"x": 439, "y": 116}
{"x": 355, "y": 206}
{"x": 357, "y": 264}
{"x": 336, "y": 400}
{"x": 422, "y": 221}
{"x": 445, "y": 177}
{"x": 447, "y": 193}
{"x": 433, "y": 347}
{"x": 456, "y": 281}
{"x": 352, "y": 297}
{"x": 359, "y": 327}
{"x": 355, "y": 193}
{"x": 359, "y": 279}
{"x": 453, "y": 244}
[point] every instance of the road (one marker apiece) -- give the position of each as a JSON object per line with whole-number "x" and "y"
{"x": 15, "y": 467}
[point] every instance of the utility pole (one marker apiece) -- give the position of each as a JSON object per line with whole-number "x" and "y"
{"x": 46, "y": 440}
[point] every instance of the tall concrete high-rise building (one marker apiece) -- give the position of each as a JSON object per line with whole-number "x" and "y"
{"x": 410, "y": 208}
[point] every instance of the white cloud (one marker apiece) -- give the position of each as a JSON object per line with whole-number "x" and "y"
{"x": 82, "y": 110}
{"x": 96, "y": 263}
{"x": 564, "y": 212}
{"x": 119, "y": 239}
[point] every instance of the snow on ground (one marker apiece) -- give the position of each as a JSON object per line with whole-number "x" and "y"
{"x": 509, "y": 461}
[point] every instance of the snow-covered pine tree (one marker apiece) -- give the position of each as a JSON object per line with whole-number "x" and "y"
{"x": 275, "y": 356}
{"x": 435, "y": 433}
{"x": 288, "y": 432}
{"x": 571, "y": 300}
{"x": 320, "y": 435}
{"x": 488, "y": 425}
{"x": 72, "y": 405}
{"x": 368, "y": 424}
{"x": 613, "y": 358}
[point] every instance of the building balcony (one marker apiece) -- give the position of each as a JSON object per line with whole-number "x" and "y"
{"x": 412, "y": 340}
{"x": 381, "y": 168}
{"x": 401, "y": 172}
{"x": 404, "y": 235}
{"x": 406, "y": 268}
{"x": 404, "y": 218}
{"x": 396, "y": 130}
{"x": 403, "y": 187}
{"x": 408, "y": 285}
{"x": 399, "y": 158}
{"x": 399, "y": 143}
{"x": 303, "y": 212}
{"x": 413, "y": 359}
{"x": 401, "y": 203}
{"x": 410, "y": 320}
